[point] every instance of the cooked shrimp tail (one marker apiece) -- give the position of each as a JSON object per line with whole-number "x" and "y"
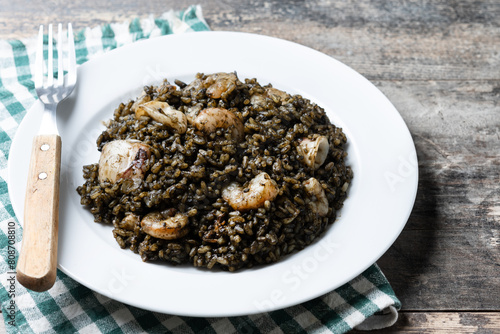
{"x": 167, "y": 228}
{"x": 259, "y": 190}
{"x": 210, "y": 119}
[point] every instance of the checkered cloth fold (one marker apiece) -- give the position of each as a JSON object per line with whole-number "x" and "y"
{"x": 367, "y": 302}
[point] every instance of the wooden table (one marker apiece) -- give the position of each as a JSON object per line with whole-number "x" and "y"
{"x": 439, "y": 63}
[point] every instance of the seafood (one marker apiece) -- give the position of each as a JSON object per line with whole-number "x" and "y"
{"x": 314, "y": 150}
{"x": 129, "y": 222}
{"x": 260, "y": 100}
{"x": 167, "y": 228}
{"x": 123, "y": 159}
{"x": 276, "y": 94}
{"x": 143, "y": 98}
{"x": 208, "y": 120}
{"x": 217, "y": 173}
{"x": 217, "y": 85}
{"x": 260, "y": 189}
{"x": 163, "y": 113}
{"x": 220, "y": 84}
{"x": 317, "y": 200}
{"x": 193, "y": 111}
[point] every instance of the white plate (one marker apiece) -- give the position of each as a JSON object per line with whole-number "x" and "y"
{"x": 381, "y": 153}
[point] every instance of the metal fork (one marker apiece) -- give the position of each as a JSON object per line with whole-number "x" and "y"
{"x": 37, "y": 264}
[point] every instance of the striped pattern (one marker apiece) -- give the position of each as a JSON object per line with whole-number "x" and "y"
{"x": 70, "y": 307}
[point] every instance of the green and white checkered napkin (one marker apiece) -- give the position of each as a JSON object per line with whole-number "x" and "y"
{"x": 367, "y": 302}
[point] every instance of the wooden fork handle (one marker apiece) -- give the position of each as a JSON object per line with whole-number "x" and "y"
{"x": 37, "y": 264}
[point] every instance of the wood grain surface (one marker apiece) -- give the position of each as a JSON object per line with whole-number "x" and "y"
{"x": 37, "y": 263}
{"x": 439, "y": 63}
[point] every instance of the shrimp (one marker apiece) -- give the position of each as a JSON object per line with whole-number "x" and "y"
{"x": 169, "y": 228}
{"x": 129, "y": 222}
{"x": 314, "y": 150}
{"x": 123, "y": 159}
{"x": 208, "y": 120}
{"x": 217, "y": 85}
{"x": 317, "y": 200}
{"x": 163, "y": 113}
{"x": 260, "y": 189}
{"x": 220, "y": 84}
{"x": 276, "y": 95}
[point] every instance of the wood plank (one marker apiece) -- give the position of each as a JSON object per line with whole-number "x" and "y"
{"x": 450, "y": 40}
{"x": 448, "y": 256}
{"x": 444, "y": 322}
{"x": 444, "y": 270}
{"x": 455, "y": 126}
{"x": 431, "y": 322}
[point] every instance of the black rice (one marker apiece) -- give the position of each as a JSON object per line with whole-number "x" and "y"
{"x": 187, "y": 173}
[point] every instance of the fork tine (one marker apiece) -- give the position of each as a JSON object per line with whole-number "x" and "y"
{"x": 39, "y": 60}
{"x": 71, "y": 57}
{"x": 50, "y": 61}
{"x": 60, "y": 70}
